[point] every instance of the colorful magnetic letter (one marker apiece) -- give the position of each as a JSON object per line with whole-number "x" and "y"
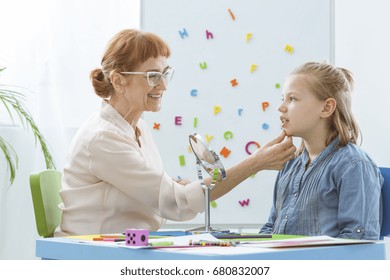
{"x": 156, "y": 126}
{"x": 208, "y": 138}
{"x": 136, "y": 237}
{"x": 217, "y": 109}
{"x": 234, "y": 82}
{"x": 195, "y": 122}
{"x": 240, "y": 111}
{"x": 225, "y": 152}
{"x": 203, "y": 65}
{"x": 209, "y": 35}
{"x": 228, "y": 135}
{"x": 183, "y": 33}
{"x": 289, "y": 49}
{"x": 178, "y": 120}
{"x": 249, "y": 144}
{"x": 231, "y": 14}
{"x": 244, "y": 202}
{"x": 264, "y": 105}
{"x": 182, "y": 160}
{"x": 253, "y": 67}
{"x": 194, "y": 92}
{"x": 215, "y": 175}
{"x": 248, "y": 37}
{"x": 265, "y": 126}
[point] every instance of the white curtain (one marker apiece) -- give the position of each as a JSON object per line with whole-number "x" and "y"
{"x": 49, "y": 47}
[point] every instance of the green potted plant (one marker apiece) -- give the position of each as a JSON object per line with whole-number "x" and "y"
{"x": 12, "y": 101}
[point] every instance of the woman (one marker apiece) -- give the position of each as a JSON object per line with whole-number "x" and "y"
{"x": 114, "y": 178}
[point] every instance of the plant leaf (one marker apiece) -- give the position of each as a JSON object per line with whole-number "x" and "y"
{"x": 12, "y": 100}
{"x": 11, "y": 158}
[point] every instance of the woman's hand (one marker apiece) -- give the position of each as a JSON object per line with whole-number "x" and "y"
{"x": 274, "y": 154}
{"x": 271, "y": 156}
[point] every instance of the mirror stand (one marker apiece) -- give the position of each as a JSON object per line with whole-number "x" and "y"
{"x": 207, "y": 190}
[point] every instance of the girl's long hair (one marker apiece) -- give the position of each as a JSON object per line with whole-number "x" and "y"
{"x": 327, "y": 81}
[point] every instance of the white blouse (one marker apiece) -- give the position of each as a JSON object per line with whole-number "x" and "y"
{"x": 110, "y": 183}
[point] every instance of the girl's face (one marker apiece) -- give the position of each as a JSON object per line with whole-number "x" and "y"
{"x": 141, "y": 96}
{"x": 300, "y": 108}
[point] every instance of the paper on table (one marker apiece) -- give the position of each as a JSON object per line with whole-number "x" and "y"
{"x": 322, "y": 240}
{"x": 220, "y": 250}
{"x": 83, "y": 237}
{"x": 89, "y": 240}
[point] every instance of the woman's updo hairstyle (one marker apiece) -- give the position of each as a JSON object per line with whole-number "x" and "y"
{"x": 124, "y": 53}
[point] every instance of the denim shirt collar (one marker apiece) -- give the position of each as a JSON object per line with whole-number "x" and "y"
{"x": 333, "y": 146}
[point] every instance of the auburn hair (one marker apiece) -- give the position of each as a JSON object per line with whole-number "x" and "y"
{"x": 124, "y": 53}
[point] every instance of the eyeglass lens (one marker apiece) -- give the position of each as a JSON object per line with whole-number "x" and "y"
{"x": 154, "y": 78}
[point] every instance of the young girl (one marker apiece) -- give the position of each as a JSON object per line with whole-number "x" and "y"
{"x": 331, "y": 187}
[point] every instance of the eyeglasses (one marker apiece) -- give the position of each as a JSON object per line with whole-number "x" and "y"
{"x": 154, "y": 78}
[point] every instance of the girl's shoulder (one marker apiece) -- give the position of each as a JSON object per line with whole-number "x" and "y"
{"x": 351, "y": 160}
{"x": 353, "y": 153}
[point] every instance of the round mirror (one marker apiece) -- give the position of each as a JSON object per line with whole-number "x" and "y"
{"x": 208, "y": 160}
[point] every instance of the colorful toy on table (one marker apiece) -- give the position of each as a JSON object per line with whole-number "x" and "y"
{"x": 213, "y": 243}
{"x": 192, "y": 244}
{"x": 136, "y": 237}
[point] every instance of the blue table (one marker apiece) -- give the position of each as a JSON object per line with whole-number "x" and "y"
{"x": 66, "y": 249}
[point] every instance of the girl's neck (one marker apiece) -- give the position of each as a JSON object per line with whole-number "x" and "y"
{"x": 315, "y": 145}
{"x": 314, "y": 149}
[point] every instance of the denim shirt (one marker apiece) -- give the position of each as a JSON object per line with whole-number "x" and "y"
{"x": 338, "y": 195}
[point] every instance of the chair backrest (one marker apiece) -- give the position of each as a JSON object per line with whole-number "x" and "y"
{"x": 45, "y": 187}
{"x": 385, "y": 230}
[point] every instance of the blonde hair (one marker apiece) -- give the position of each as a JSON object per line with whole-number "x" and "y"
{"x": 327, "y": 81}
{"x": 124, "y": 53}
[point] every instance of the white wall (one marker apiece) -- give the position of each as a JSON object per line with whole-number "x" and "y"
{"x": 362, "y": 46}
{"x": 17, "y": 223}
{"x": 49, "y": 47}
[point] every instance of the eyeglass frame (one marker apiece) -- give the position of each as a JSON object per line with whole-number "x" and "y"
{"x": 146, "y": 74}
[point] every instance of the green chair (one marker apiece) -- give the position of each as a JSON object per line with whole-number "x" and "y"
{"x": 45, "y": 187}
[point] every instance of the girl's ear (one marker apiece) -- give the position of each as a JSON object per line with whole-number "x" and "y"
{"x": 118, "y": 81}
{"x": 329, "y": 107}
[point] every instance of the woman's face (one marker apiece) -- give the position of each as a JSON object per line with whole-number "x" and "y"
{"x": 142, "y": 96}
{"x": 300, "y": 109}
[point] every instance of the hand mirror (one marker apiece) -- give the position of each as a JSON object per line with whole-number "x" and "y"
{"x": 206, "y": 160}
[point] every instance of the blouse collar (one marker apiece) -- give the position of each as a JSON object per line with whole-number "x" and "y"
{"x": 108, "y": 113}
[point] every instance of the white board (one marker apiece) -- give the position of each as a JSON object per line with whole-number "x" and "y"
{"x": 243, "y": 41}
